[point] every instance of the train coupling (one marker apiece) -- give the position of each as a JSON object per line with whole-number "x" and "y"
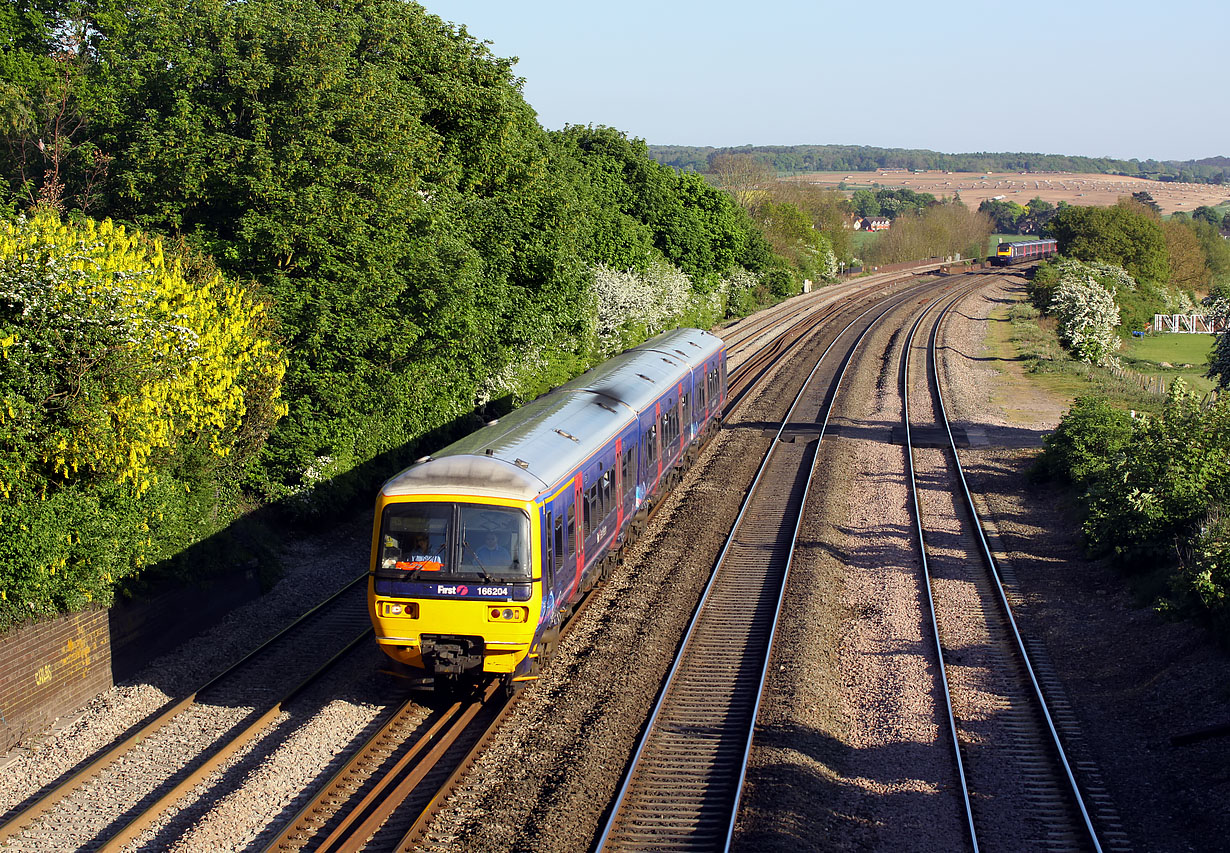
{"x": 444, "y": 654}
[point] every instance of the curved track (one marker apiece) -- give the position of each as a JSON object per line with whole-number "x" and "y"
{"x": 1018, "y": 788}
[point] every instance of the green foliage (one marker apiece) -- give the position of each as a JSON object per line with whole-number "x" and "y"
{"x": 425, "y": 246}
{"x": 940, "y": 231}
{"x": 131, "y": 398}
{"x": 1122, "y": 235}
{"x": 865, "y": 203}
{"x": 792, "y": 234}
{"x": 1219, "y": 361}
{"x": 1010, "y": 218}
{"x": 1089, "y": 442}
{"x": 1175, "y": 469}
{"x": 1204, "y": 571}
{"x": 1152, "y": 489}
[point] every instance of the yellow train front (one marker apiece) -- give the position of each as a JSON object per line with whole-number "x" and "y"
{"x": 480, "y": 553}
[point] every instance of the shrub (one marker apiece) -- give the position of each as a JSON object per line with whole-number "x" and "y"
{"x": 1087, "y": 317}
{"x": 1089, "y": 441}
{"x": 1204, "y": 573}
{"x": 1175, "y": 466}
{"x": 131, "y": 398}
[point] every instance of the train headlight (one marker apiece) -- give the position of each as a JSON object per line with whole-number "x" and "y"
{"x": 508, "y": 614}
{"x": 402, "y": 609}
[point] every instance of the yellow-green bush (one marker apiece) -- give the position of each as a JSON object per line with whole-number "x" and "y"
{"x": 124, "y": 384}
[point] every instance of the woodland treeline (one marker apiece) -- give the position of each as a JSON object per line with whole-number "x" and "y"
{"x": 345, "y": 238}
{"x": 798, "y": 159}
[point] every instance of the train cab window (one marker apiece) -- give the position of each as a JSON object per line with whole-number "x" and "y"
{"x": 437, "y": 540}
{"x": 414, "y": 537}
{"x": 493, "y": 541}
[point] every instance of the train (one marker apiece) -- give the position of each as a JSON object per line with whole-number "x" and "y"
{"x": 481, "y": 551}
{"x": 1028, "y": 250}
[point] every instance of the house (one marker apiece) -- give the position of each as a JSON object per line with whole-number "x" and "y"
{"x": 872, "y": 223}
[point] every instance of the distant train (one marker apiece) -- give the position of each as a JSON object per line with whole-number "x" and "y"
{"x": 480, "y": 552}
{"x": 1018, "y": 253}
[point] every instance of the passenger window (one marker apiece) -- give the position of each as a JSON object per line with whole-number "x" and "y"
{"x": 572, "y": 531}
{"x": 559, "y": 542}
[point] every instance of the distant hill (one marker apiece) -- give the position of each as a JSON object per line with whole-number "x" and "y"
{"x": 797, "y": 159}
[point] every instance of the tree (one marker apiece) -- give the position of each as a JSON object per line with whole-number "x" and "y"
{"x": 1087, "y": 316}
{"x": 1219, "y": 361}
{"x": 828, "y": 210}
{"x": 379, "y": 173}
{"x": 1185, "y": 256}
{"x": 865, "y": 203}
{"x": 1005, "y": 215}
{"x": 1146, "y": 199}
{"x": 792, "y": 235}
{"x": 1123, "y": 235}
{"x": 745, "y": 176}
{"x": 135, "y": 386}
{"x": 941, "y": 231}
{"x": 1037, "y": 214}
{"x": 1204, "y": 213}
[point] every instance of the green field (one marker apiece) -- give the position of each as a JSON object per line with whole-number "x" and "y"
{"x": 1145, "y": 356}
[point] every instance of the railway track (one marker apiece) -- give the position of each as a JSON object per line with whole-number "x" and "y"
{"x": 356, "y": 820}
{"x": 334, "y": 628}
{"x": 682, "y": 788}
{"x": 1018, "y": 787}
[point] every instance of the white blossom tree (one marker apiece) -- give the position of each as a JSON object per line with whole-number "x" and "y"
{"x": 1087, "y": 316}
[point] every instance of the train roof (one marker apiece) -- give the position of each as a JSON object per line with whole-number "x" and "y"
{"x": 532, "y": 448}
{"x": 522, "y": 454}
{"x": 636, "y": 378}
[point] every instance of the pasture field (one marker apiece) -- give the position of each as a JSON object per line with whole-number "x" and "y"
{"x": 975, "y": 187}
{"x": 1146, "y": 355}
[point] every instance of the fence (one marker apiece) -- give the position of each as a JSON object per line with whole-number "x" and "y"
{"x": 1158, "y": 386}
{"x": 1189, "y": 324}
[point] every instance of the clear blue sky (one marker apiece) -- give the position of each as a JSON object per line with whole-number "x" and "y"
{"x": 1120, "y": 79}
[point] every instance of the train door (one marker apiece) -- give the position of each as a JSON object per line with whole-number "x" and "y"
{"x": 684, "y": 417}
{"x": 577, "y": 542}
{"x": 656, "y": 438}
{"x": 621, "y": 473}
{"x": 549, "y": 547}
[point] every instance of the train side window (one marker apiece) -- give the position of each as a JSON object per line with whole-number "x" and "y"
{"x": 572, "y": 531}
{"x": 559, "y": 542}
{"x": 608, "y": 488}
{"x": 629, "y": 469}
{"x": 687, "y": 408}
{"x": 592, "y": 510}
{"x": 550, "y": 561}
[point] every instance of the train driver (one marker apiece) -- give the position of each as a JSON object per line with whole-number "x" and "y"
{"x": 422, "y": 554}
{"x": 491, "y": 553}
